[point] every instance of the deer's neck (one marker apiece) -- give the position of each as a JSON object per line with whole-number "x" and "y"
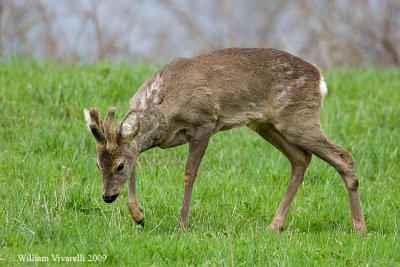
{"x": 146, "y": 103}
{"x": 152, "y": 129}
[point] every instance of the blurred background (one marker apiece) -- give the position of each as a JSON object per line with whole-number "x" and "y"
{"x": 331, "y": 33}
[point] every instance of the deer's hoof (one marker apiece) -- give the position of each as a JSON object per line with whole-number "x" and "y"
{"x": 141, "y": 222}
{"x": 361, "y": 229}
{"x": 275, "y": 227}
{"x": 181, "y": 226}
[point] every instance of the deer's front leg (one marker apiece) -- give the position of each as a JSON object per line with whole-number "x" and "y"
{"x": 133, "y": 204}
{"x": 196, "y": 153}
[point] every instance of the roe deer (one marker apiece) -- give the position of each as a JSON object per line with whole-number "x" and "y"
{"x": 272, "y": 92}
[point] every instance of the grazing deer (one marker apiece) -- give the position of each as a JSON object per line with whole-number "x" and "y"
{"x": 272, "y": 92}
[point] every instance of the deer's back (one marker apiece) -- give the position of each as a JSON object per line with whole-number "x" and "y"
{"x": 235, "y": 86}
{"x": 229, "y": 88}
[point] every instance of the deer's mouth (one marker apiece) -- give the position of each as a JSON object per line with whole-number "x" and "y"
{"x": 110, "y": 199}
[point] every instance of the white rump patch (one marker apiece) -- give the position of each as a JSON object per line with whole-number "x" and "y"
{"x": 322, "y": 87}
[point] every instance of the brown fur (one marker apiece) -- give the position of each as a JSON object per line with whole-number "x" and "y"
{"x": 272, "y": 92}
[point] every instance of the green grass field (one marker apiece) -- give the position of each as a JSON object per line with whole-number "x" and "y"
{"x": 50, "y": 188}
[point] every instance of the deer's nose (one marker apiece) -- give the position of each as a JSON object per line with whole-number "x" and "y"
{"x": 110, "y": 199}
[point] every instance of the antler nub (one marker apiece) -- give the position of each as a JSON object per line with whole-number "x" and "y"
{"x": 105, "y": 133}
{"x": 109, "y": 128}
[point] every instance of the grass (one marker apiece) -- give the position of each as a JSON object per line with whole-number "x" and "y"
{"x": 50, "y": 188}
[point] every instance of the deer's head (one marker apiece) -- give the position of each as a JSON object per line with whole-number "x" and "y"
{"x": 116, "y": 149}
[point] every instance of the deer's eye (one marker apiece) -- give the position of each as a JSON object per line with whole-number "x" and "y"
{"x": 120, "y": 167}
{"x": 98, "y": 167}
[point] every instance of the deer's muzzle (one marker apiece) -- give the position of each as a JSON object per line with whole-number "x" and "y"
{"x": 110, "y": 199}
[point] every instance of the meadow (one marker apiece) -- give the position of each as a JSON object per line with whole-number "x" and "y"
{"x": 50, "y": 188}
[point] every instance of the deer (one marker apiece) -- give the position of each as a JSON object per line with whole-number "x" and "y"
{"x": 272, "y": 92}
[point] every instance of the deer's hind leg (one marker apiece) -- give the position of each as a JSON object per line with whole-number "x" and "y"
{"x": 310, "y": 137}
{"x": 299, "y": 159}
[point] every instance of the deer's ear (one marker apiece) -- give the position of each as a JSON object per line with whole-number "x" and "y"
{"x": 88, "y": 119}
{"x": 94, "y": 124}
{"x": 129, "y": 126}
